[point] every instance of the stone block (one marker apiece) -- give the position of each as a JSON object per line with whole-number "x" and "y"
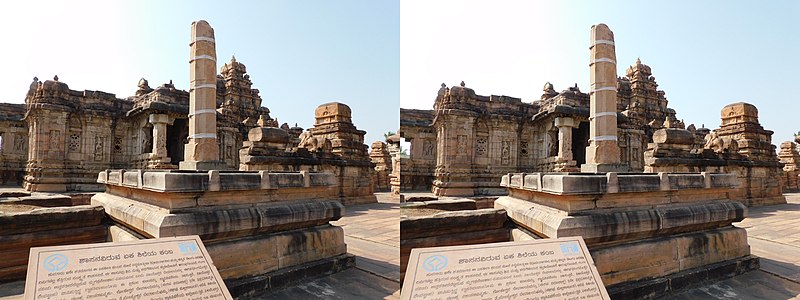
{"x": 271, "y": 252}
{"x": 239, "y": 181}
{"x": 567, "y": 203}
{"x": 532, "y": 181}
{"x": 452, "y": 205}
{"x": 15, "y": 248}
{"x": 516, "y": 180}
{"x": 686, "y": 181}
{"x": 574, "y": 184}
{"x": 47, "y": 219}
{"x": 221, "y": 222}
{"x": 446, "y": 223}
{"x": 638, "y": 183}
{"x": 115, "y": 177}
{"x": 287, "y": 179}
{"x": 699, "y": 249}
{"x": 625, "y": 224}
{"x": 633, "y": 261}
{"x": 673, "y": 136}
{"x": 173, "y": 182}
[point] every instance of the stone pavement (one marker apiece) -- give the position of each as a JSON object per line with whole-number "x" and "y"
{"x": 774, "y": 235}
{"x": 372, "y": 234}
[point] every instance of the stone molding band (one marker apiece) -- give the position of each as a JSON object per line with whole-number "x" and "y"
{"x": 202, "y": 111}
{"x": 604, "y": 114}
{"x": 203, "y": 136}
{"x": 607, "y": 42}
{"x": 203, "y": 38}
{"x": 208, "y": 57}
{"x": 604, "y": 138}
{"x": 606, "y": 88}
{"x": 205, "y": 86}
{"x": 608, "y": 60}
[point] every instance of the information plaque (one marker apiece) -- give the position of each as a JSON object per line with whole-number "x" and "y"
{"x": 539, "y": 269}
{"x": 165, "y": 268}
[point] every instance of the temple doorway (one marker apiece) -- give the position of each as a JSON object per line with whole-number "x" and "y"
{"x": 177, "y": 134}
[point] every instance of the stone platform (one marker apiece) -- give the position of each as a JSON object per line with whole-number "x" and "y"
{"x": 639, "y": 228}
{"x": 261, "y": 229}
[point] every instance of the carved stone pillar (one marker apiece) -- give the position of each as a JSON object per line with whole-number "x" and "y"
{"x": 565, "y": 125}
{"x": 202, "y": 149}
{"x": 159, "y": 158}
{"x": 565, "y": 158}
{"x": 603, "y": 154}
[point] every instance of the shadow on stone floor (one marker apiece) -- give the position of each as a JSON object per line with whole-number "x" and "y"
{"x": 771, "y": 210}
{"x": 357, "y": 210}
{"x": 785, "y": 270}
{"x": 752, "y": 285}
{"x": 383, "y": 269}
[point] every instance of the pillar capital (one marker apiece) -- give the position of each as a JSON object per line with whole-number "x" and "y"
{"x": 565, "y": 122}
{"x": 160, "y": 119}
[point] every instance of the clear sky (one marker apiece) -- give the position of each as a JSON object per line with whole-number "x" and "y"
{"x": 299, "y": 54}
{"x": 704, "y": 54}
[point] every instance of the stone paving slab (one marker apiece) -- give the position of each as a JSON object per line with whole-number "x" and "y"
{"x": 352, "y": 283}
{"x": 753, "y": 285}
{"x": 372, "y": 234}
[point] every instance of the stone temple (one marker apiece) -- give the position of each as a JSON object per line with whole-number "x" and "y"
{"x": 656, "y": 202}
{"x": 468, "y": 141}
{"x": 59, "y": 139}
{"x": 166, "y": 162}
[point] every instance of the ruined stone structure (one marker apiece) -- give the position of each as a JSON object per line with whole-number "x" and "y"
{"x": 13, "y": 144}
{"x": 333, "y": 146}
{"x": 740, "y": 146}
{"x": 415, "y": 128}
{"x": 790, "y": 158}
{"x": 393, "y": 143}
{"x": 480, "y": 138}
{"x": 379, "y": 154}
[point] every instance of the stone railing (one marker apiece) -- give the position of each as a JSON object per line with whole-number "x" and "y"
{"x": 577, "y": 183}
{"x": 212, "y": 181}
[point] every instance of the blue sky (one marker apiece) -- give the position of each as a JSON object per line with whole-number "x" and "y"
{"x": 299, "y": 54}
{"x": 704, "y": 54}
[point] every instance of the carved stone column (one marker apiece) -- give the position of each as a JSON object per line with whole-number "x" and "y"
{"x": 159, "y": 158}
{"x": 565, "y": 158}
{"x": 202, "y": 150}
{"x": 603, "y": 154}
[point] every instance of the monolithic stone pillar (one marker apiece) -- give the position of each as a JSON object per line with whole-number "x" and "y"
{"x": 603, "y": 154}
{"x": 159, "y": 158}
{"x": 202, "y": 150}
